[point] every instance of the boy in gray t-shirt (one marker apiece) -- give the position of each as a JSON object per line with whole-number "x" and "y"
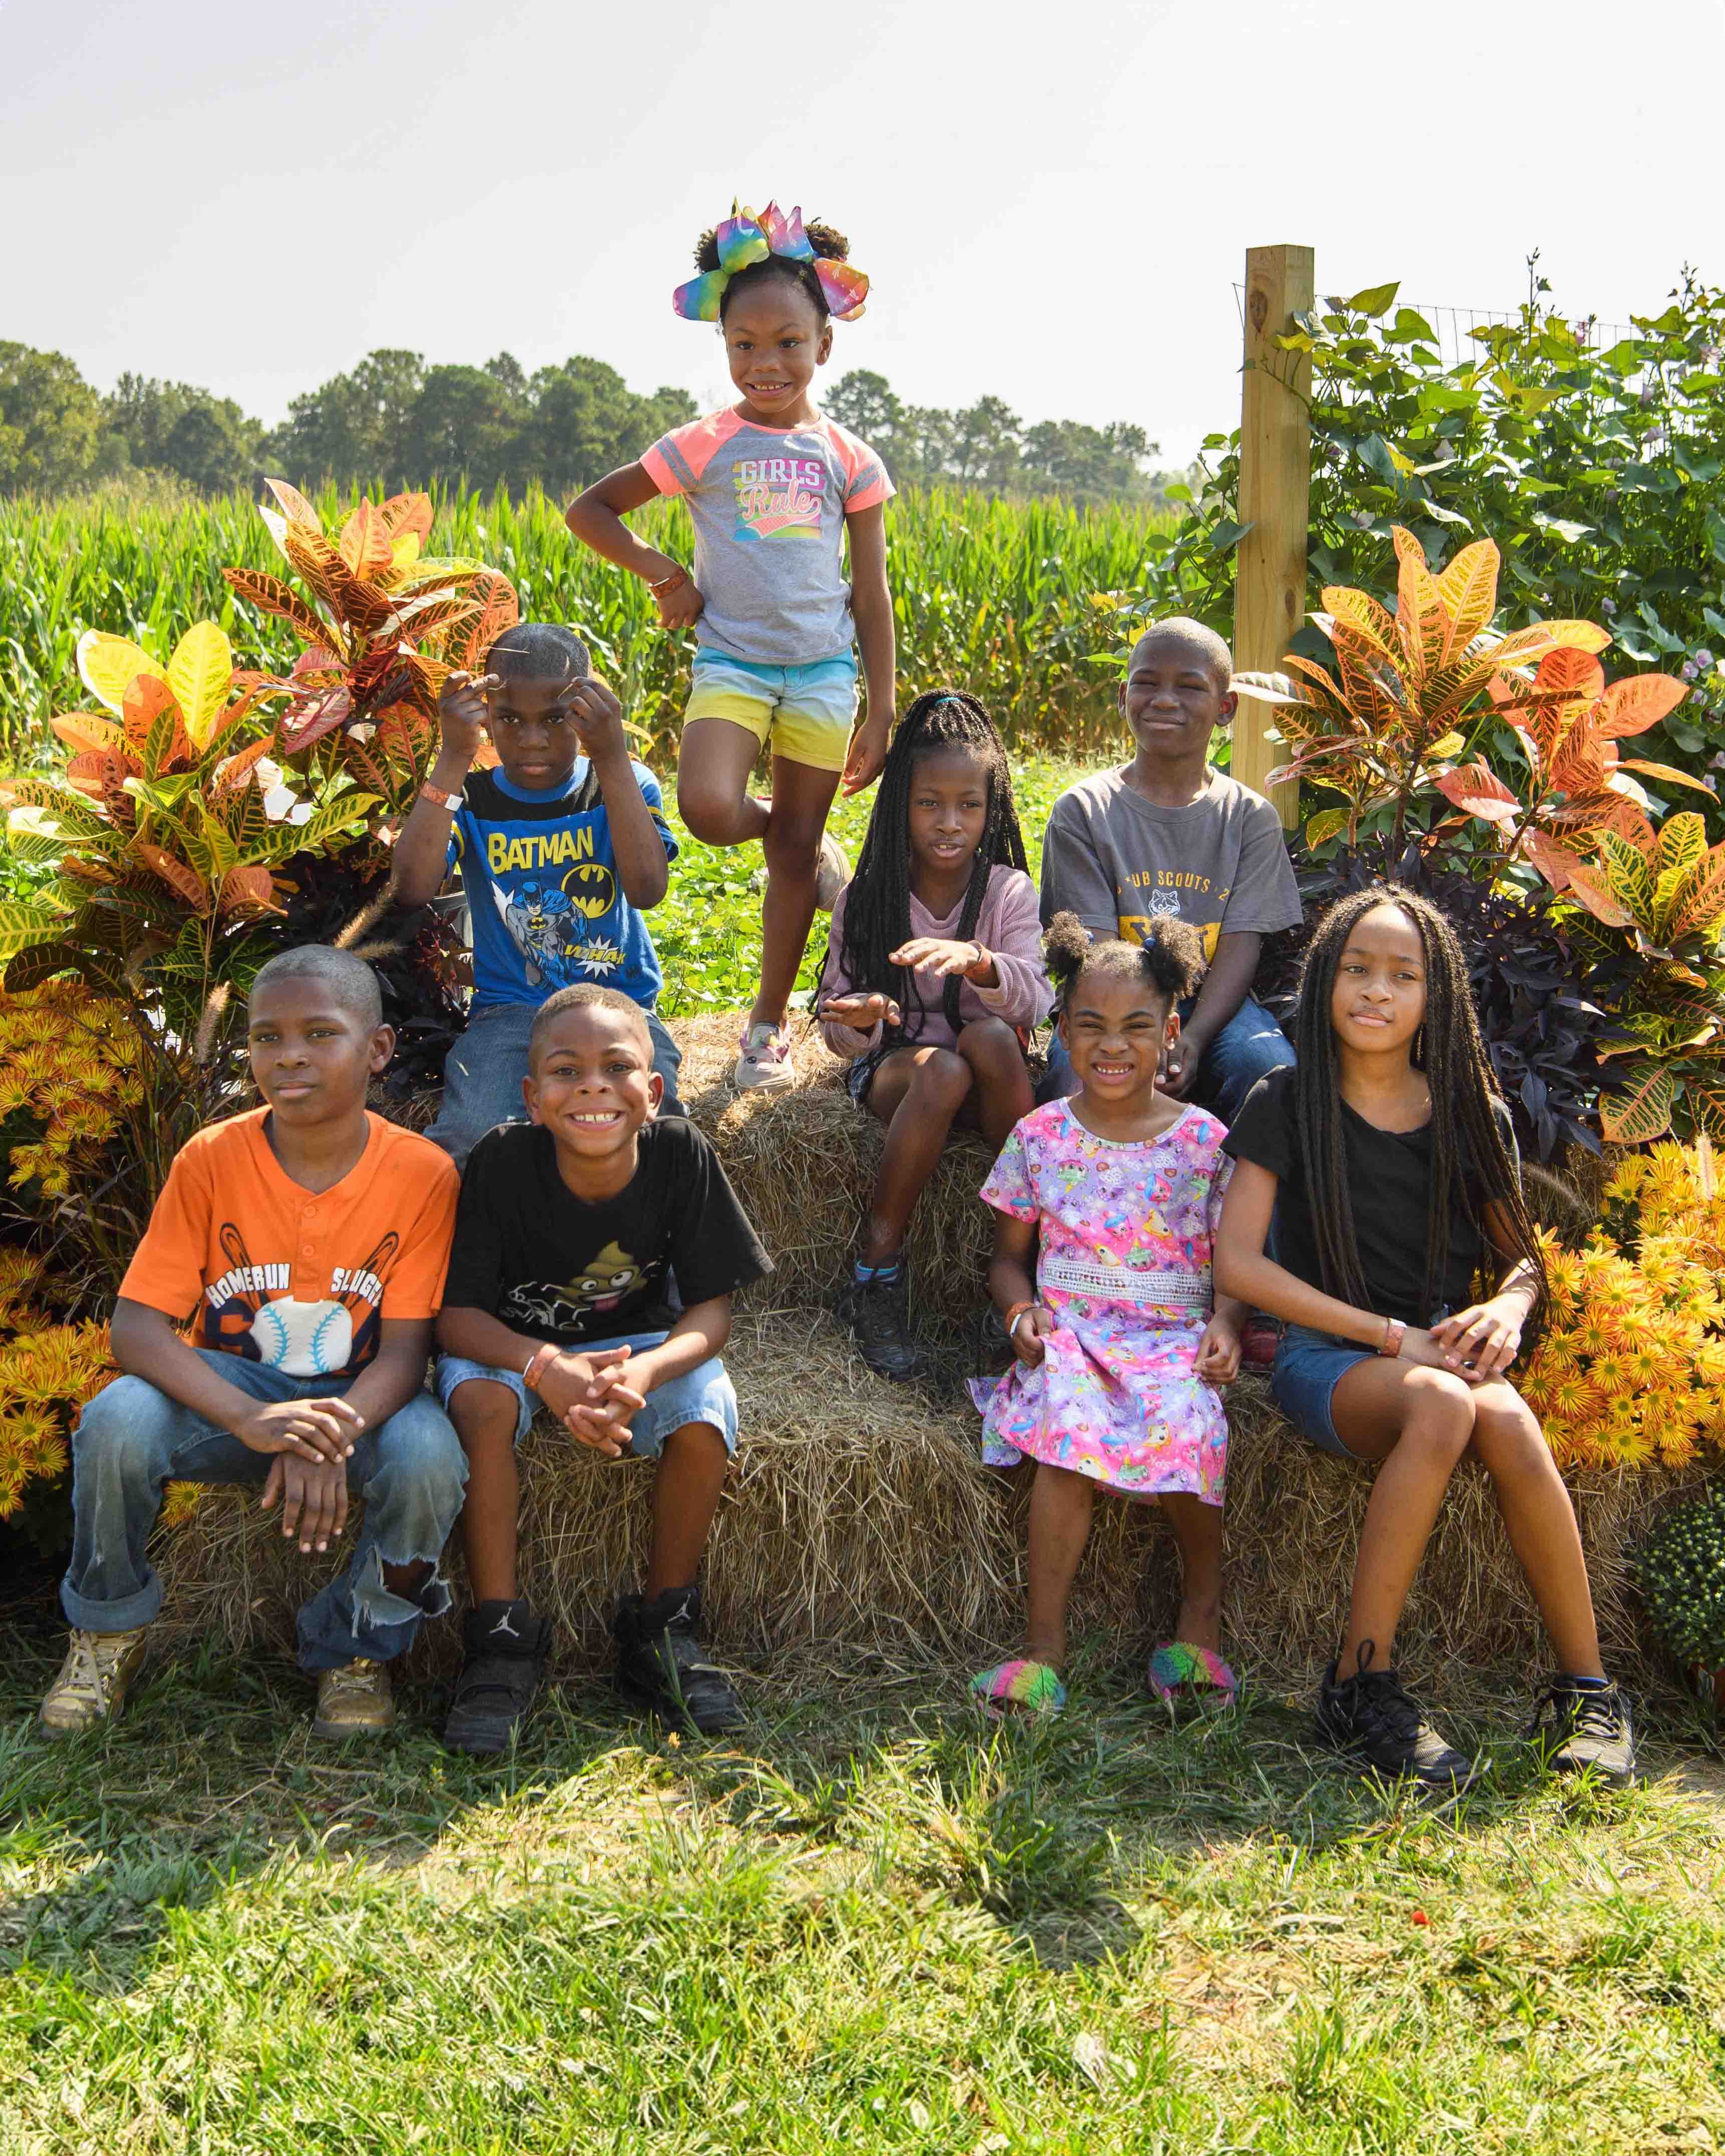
{"x": 1169, "y": 834}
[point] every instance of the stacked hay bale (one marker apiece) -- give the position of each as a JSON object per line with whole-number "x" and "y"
{"x": 859, "y": 1516}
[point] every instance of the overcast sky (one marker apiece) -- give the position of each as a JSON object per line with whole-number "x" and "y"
{"x": 1054, "y": 202}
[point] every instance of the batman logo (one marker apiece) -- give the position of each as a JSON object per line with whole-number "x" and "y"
{"x": 591, "y": 889}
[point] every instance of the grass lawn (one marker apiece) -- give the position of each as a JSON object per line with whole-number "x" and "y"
{"x": 874, "y": 1923}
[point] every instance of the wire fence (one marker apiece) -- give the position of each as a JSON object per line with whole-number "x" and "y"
{"x": 1453, "y": 327}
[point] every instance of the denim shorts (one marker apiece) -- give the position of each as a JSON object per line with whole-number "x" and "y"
{"x": 807, "y": 712}
{"x": 703, "y": 1394}
{"x": 1308, "y": 1367}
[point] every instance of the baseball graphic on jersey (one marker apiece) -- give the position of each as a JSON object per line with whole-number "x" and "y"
{"x": 303, "y": 1339}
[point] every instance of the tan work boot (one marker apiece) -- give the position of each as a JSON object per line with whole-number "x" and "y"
{"x": 93, "y": 1682}
{"x": 354, "y": 1700}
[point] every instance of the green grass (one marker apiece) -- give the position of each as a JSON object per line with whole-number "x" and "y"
{"x": 871, "y": 1922}
{"x": 707, "y": 928}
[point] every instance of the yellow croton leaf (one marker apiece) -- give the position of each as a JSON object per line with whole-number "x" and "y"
{"x": 108, "y": 664}
{"x": 198, "y": 673}
{"x": 404, "y": 553}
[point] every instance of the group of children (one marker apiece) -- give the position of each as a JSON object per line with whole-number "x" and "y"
{"x": 563, "y": 1235}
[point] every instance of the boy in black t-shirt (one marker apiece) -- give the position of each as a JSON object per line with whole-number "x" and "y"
{"x": 567, "y": 1229}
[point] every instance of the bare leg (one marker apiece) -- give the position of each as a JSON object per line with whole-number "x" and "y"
{"x": 686, "y": 1495}
{"x": 801, "y": 798}
{"x": 1540, "y": 1522}
{"x": 1060, "y": 1507}
{"x": 917, "y": 1093}
{"x": 1418, "y": 1422}
{"x": 716, "y": 761}
{"x": 1002, "y": 1094}
{"x": 484, "y": 1415}
{"x": 1197, "y": 1531}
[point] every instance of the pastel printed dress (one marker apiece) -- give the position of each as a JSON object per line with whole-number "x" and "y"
{"x": 1124, "y": 1266}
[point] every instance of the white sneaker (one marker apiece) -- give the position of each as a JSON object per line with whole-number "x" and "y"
{"x": 832, "y": 873}
{"x": 764, "y": 1058}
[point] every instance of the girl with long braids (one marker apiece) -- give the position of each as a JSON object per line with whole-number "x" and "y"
{"x": 1389, "y": 1160}
{"x": 933, "y": 977}
{"x": 1113, "y": 1196}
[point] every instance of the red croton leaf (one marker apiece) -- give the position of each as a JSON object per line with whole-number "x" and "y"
{"x": 1476, "y": 789}
{"x": 176, "y": 874}
{"x": 248, "y": 890}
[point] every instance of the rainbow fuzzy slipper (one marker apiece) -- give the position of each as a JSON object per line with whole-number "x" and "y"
{"x": 1019, "y": 1687}
{"x": 1178, "y": 1671}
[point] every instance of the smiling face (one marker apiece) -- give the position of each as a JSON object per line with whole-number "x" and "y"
{"x": 1173, "y": 698}
{"x": 948, "y": 810}
{"x": 1379, "y": 999}
{"x": 593, "y": 1084}
{"x": 1115, "y": 1028}
{"x": 312, "y": 1058}
{"x": 536, "y": 742}
{"x": 775, "y": 337}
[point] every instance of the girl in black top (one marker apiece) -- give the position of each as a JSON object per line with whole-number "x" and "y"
{"x": 1386, "y": 1156}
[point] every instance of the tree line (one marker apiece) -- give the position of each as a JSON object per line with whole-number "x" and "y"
{"x": 394, "y": 419}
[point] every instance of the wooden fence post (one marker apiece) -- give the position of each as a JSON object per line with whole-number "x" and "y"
{"x": 1275, "y": 486}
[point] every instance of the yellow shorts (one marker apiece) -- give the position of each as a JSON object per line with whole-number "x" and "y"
{"x": 806, "y": 713}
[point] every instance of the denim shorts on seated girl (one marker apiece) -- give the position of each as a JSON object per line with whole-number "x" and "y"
{"x": 703, "y": 1394}
{"x": 804, "y": 712}
{"x": 1308, "y": 1369}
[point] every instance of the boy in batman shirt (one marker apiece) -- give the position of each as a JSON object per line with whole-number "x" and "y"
{"x": 565, "y": 1234}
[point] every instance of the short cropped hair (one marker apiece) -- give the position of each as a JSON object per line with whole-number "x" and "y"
{"x": 1182, "y": 629}
{"x": 538, "y": 651}
{"x": 584, "y": 995}
{"x": 350, "y": 983}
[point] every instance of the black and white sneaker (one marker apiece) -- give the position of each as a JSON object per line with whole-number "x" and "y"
{"x": 507, "y": 1649}
{"x": 1579, "y": 1727}
{"x": 1373, "y": 1720}
{"x": 662, "y": 1666}
{"x": 878, "y": 1314}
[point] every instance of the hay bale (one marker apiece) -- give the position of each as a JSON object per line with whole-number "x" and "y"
{"x": 803, "y": 1161}
{"x": 858, "y": 1517}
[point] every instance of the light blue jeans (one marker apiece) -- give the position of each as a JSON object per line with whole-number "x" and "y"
{"x": 132, "y": 1439}
{"x": 1248, "y": 1048}
{"x": 703, "y": 1394}
{"x": 483, "y": 1074}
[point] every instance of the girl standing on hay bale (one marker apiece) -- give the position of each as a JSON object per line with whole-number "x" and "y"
{"x": 1116, "y": 1190}
{"x": 1390, "y": 1161}
{"x": 777, "y": 492}
{"x": 933, "y": 978}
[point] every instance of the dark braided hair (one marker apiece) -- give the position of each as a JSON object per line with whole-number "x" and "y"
{"x": 877, "y": 900}
{"x": 1170, "y": 959}
{"x": 831, "y": 246}
{"x": 1467, "y": 1142}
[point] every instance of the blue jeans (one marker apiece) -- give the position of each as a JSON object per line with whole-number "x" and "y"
{"x": 483, "y": 1074}
{"x": 132, "y": 1439}
{"x": 1248, "y": 1048}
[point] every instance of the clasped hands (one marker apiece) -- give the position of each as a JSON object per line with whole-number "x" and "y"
{"x": 594, "y": 1398}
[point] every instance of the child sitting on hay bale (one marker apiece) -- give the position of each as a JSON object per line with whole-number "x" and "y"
{"x": 1390, "y": 1162}
{"x": 559, "y": 852}
{"x": 1116, "y": 1192}
{"x": 933, "y": 978}
{"x": 310, "y": 1237}
{"x": 568, "y": 1231}
{"x": 1168, "y": 836}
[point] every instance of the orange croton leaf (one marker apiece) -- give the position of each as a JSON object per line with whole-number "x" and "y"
{"x": 1556, "y": 864}
{"x": 403, "y": 513}
{"x": 1587, "y": 883}
{"x": 147, "y": 700}
{"x": 248, "y": 890}
{"x": 233, "y": 771}
{"x": 294, "y": 505}
{"x": 86, "y": 730}
{"x": 1467, "y": 591}
{"x": 1421, "y": 621}
{"x": 176, "y": 874}
{"x": 1477, "y": 789}
{"x": 364, "y": 543}
{"x": 1567, "y": 672}
{"x": 1631, "y": 706}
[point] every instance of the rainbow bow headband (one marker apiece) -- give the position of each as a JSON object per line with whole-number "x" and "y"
{"x": 745, "y": 238}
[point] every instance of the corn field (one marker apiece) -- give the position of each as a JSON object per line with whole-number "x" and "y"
{"x": 1027, "y": 605}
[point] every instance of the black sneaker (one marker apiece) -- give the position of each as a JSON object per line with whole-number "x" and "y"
{"x": 878, "y": 1313}
{"x": 1373, "y": 1720}
{"x": 661, "y": 1664}
{"x": 1579, "y": 1727}
{"x": 507, "y": 1648}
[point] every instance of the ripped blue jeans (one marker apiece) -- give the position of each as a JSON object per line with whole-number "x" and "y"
{"x": 132, "y": 1439}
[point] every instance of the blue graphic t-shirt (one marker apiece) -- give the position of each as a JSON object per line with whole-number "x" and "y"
{"x": 542, "y": 889}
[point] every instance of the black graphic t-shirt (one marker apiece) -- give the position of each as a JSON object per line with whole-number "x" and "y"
{"x": 556, "y": 1267}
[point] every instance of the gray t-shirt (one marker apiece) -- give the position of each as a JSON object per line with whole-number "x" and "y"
{"x": 769, "y": 505}
{"x": 1117, "y": 861}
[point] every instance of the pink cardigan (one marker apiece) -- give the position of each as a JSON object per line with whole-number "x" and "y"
{"x": 1007, "y": 926}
